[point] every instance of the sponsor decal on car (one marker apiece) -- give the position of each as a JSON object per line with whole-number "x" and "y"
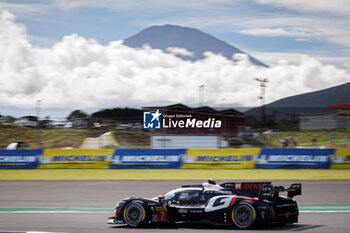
{"x": 238, "y": 185}
{"x": 161, "y": 214}
{"x": 254, "y": 186}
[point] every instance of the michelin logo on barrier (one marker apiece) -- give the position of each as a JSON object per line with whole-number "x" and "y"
{"x": 147, "y": 158}
{"x": 291, "y": 158}
{"x": 76, "y": 158}
{"x": 294, "y": 158}
{"x": 151, "y": 120}
{"x": 144, "y": 158}
{"x": 231, "y": 158}
{"x": 18, "y": 159}
{"x": 187, "y": 159}
{"x": 339, "y": 159}
{"x": 220, "y": 158}
{"x": 73, "y": 158}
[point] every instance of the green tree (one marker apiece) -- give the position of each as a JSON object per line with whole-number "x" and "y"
{"x": 77, "y": 114}
{"x": 119, "y": 114}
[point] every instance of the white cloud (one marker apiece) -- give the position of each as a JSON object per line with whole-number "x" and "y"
{"x": 274, "y": 58}
{"x": 70, "y": 4}
{"x": 273, "y": 32}
{"x": 26, "y": 10}
{"x": 180, "y": 51}
{"x": 81, "y": 73}
{"x": 302, "y": 28}
{"x": 323, "y": 21}
{"x": 332, "y": 6}
{"x": 126, "y": 5}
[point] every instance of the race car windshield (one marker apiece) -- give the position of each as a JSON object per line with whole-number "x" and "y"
{"x": 169, "y": 195}
{"x": 182, "y": 195}
{"x": 187, "y": 196}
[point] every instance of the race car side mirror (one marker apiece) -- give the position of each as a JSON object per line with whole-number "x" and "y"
{"x": 160, "y": 198}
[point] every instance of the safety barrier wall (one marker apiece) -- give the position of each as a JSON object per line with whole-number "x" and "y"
{"x": 295, "y": 158}
{"x": 220, "y": 159}
{"x": 246, "y": 158}
{"x": 341, "y": 159}
{"x": 76, "y": 158}
{"x": 19, "y": 159}
{"x": 147, "y": 158}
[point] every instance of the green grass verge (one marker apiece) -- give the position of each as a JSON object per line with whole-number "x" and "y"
{"x": 59, "y": 138}
{"x": 49, "y": 138}
{"x": 173, "y": 174}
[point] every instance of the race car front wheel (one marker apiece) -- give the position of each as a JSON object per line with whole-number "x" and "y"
{"x": 134, "y": 214}
{"x": 243, "y": 215}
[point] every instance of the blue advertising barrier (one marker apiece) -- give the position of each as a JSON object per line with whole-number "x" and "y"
{"x": 295, "y": 158}
{"x": 147, "y": 158}
{"x": 19, "y": 159}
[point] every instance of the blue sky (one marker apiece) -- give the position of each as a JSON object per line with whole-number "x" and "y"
{"x": 264, "y": 28}
{"x": 48, "y": 48}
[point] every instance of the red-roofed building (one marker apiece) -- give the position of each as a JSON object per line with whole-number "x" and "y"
{"x": 343, "y": 110}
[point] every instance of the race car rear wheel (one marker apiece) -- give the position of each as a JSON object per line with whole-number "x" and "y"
{"x": 134, "y": 214}
{"x": 243, "y": 215}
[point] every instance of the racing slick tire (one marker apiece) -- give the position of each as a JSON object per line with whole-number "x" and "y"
{"x": 243, "y": 215}
{"x": 135, "y": 214}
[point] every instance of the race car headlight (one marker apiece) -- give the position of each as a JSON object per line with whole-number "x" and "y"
{"x": 118, "y": 206}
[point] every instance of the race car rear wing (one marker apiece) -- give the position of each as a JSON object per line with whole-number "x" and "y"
{"x": 269, "y": 190}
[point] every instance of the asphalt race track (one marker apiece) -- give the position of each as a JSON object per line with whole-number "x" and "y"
{"x": 94, "y": 194}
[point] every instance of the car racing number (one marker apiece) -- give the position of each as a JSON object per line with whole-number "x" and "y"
{"x": 161, "y": 214}
{"x": 217, "y": 203}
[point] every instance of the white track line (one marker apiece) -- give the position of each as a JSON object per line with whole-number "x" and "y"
{"x": 324, "y": 211}
{"x": 111, "y": 212}
{"x": 55, "y": 212}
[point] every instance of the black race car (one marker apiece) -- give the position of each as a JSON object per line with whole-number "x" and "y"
{"x": 241, "y": 204}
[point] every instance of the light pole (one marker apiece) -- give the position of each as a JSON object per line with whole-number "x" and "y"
{"x": 348, "y": 123}
{"x": 262, "y": 82}
{"x": 38, "y": 109}
{"x": 201, "y": 95}
{"x": 223, "y": 102}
